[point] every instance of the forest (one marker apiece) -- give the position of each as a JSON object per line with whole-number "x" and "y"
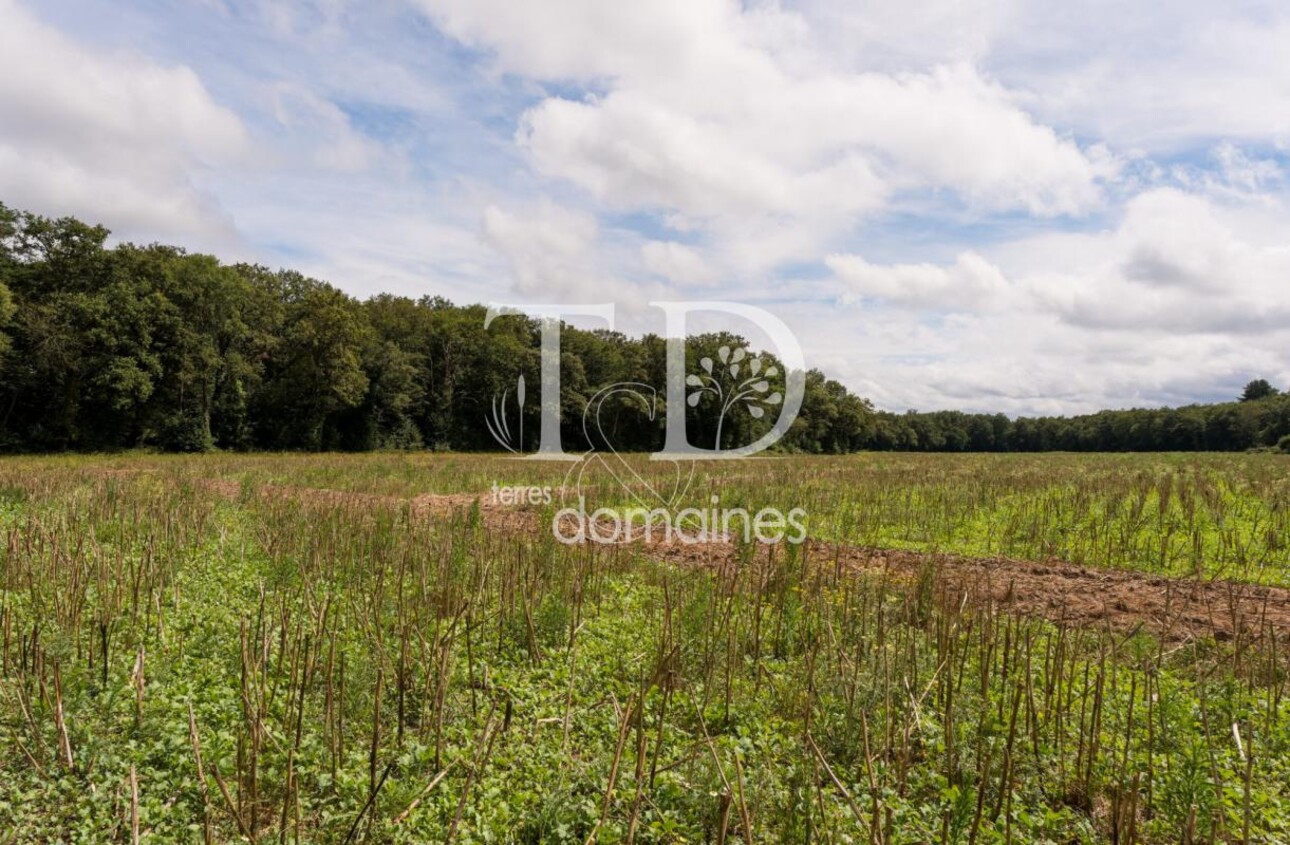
{"x": 108, "y": 347}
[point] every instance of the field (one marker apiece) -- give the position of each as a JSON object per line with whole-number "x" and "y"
{"x": 370, "y": 648}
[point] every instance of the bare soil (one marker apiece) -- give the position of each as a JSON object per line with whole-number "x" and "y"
{"x": 1173, "y": 609}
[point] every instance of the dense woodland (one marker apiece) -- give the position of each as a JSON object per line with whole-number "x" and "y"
{"x": 151, "y": 347}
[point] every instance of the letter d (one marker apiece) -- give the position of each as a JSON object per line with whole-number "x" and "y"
{"x": 677, "y": 444}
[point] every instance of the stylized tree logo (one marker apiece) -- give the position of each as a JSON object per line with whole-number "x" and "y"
{"x": 724, "y": 383}
{"x": 499, "y": 426}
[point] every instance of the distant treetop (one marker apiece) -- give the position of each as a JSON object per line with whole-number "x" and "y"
{"x": 1260, "y": 388}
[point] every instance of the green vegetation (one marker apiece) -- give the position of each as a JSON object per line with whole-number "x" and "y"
{"x": 223, "y": 648}
{"x": 135, "y": 346}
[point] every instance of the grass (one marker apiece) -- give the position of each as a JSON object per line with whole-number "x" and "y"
{"x": 188, "y": 662}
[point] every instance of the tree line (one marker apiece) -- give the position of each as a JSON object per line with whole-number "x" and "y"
{"x": 127, "y": 346}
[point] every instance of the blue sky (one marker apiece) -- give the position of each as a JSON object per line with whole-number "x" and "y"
{"x": 989, "y": 205}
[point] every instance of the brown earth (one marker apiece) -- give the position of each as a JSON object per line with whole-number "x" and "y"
{"x": 1173, "y": 609}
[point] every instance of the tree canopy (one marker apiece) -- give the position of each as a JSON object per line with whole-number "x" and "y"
{"x": 152, "y": 347}
{"x": 1258, "y": 389}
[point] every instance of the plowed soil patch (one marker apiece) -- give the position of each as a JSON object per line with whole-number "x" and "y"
{"x": 1173, "y": 609}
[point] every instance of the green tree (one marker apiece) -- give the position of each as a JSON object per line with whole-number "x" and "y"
{"x": 1260, "y": 388}
{"x": 8, "y": 226}
{"x": 317, "y": 369}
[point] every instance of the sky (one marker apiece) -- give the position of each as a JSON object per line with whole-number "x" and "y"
{"x": 987, "y": 205}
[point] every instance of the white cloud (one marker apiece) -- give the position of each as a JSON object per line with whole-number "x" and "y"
{"x": 1184, "y": 299}
{"x": 108, "y": 136}
{"x": 1176, "y": 265}
{"x": 677, "y": 263}
{"x": 631, "y": 153}
{"x": 725, "y": 118}
{"x": 958, "y": 204}
{"x": 970, "y": 284}
{"x": 579, "y": 39}
{"x": 555, "y": 254}
{"x": 1153, "y": 77}
{"x": 775, "y": 137}
{"x": 548, "y": 249}
{"x": 901, "y": 36}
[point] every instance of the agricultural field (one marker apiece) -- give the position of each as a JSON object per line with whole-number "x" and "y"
{"x": 372, "y": 648}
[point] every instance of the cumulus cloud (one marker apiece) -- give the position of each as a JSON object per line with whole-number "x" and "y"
{"x": 772, "y": 138}
{"x": 1176, "y": 265}
{"x": 108, "y": 136}
{"x": 970, "y": 284}
{"x": 547, "y": 248}
{"x": 722, "y": 118}
{"x": 552, "y": 254}
{"x": 578, "y": 39}
{"x": 1183, "y": 299}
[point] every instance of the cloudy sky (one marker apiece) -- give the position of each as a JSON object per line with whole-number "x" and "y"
{"x": 976, "y": 204}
